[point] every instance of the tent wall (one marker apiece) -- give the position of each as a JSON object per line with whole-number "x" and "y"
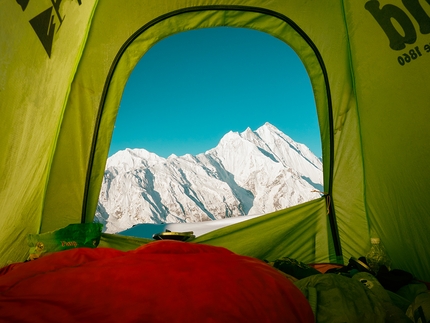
{"x": 394, "y": 109}
{"x": 269, "y": 237}
{"x": 372, "y": 108}
{"x": 280, "y": 234}
{"x": 38, "y": 60}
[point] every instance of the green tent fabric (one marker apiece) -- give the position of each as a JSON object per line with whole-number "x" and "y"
{"x": 64, "y": 65}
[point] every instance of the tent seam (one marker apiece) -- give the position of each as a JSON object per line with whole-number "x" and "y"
{"x": 354, "y": 88}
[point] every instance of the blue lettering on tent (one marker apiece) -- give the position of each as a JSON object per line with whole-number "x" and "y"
{"x": 45, "y": 23}
{"x": 389, "y": 13}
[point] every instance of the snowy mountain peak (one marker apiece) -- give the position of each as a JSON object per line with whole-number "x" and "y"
{"x": 247, "y": 131}
{"x": 133, "y": 158}
{"x": 248, "y": 173}
{"x": 270, "y": 127}
{"x": 229, "y": 136}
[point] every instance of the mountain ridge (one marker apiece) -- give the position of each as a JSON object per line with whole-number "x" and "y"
{"x": 247, "y": 173}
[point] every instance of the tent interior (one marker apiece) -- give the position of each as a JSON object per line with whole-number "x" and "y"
{"x": 64, "y": 66}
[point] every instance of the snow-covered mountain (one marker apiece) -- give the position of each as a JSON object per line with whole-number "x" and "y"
{"x": 248, "y": 173}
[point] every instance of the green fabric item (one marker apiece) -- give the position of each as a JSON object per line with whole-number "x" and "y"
{"x": 312, "y": 297}
{"x": 412, "y": 290}
{"x": 294, "y": 267}
{"x": 373, "y": 284}
{"x": 342, "y": 299}
{"x": 399, "y": 301}
{"x": 76, "y": 235}
{"x": 367, "y": 62}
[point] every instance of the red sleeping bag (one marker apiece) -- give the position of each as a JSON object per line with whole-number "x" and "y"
{"x": 163, "y": 281}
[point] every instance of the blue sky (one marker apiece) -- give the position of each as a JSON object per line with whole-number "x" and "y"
{"x": 192, "y": 88}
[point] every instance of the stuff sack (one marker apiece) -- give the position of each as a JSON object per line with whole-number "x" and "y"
{"x": 72, "y": 236}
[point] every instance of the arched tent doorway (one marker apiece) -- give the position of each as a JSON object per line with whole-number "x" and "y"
{"x": 145, "y": 36}
{"x": 218, "y": 80}
{"x": 138, "y": 44}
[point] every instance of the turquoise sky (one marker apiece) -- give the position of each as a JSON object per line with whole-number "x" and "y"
{"x": 192, "y": 88}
